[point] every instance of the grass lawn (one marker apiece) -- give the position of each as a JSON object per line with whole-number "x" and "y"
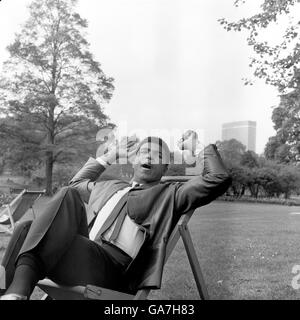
{"x": 246, "y": 251}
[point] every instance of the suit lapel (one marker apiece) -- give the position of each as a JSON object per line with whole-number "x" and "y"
{"x": 101, "y": 193}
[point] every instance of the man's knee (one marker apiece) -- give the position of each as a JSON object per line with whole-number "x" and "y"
{"x": 69, "y": 190}
{"x": 67, "y": 193}
{"x": 71, "y": 193}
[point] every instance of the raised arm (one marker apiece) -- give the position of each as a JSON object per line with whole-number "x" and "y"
{"x": 85, "y": 178}
{"x": 84, "y": 181}
{"x": 212, "y": 182}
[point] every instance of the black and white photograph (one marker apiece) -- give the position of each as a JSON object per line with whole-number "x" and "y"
{"x": 150, "y": 150}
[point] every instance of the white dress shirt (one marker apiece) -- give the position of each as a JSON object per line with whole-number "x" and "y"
{"x": 130, "y": 237}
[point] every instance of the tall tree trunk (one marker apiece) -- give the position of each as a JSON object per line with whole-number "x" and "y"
{"x": 50, "y": 153}
{"x": 256, "y": 192}
{"x": 49, "y": 170}
{"x": 286, "y": 195}
{"x": 243, "y": 190}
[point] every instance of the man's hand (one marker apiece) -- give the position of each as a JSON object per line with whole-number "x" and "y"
{"x": 189, "y": 141}
{"x": 192, "y": 149}
{"x": 120, "y": 151}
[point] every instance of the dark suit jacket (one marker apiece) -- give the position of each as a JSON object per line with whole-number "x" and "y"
{"x": 156, "y": 209}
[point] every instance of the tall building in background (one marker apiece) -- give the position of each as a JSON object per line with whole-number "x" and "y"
{"x": 243, "y": 131}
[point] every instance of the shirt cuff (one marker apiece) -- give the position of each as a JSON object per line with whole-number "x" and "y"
{"x": 102, "y": 162}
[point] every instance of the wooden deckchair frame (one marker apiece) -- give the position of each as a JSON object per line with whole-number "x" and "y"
{"x": 58, "y": 292}
{"x": 16, "y": 204}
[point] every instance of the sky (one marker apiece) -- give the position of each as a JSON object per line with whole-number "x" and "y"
{"x": 175, "y": 67}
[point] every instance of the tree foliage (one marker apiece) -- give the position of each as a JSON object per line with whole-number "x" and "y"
{"x": 249, "y": 159}
{"x": 257, "y": 175}
{"x": 277, "y": 63}
{"x": 285, "y": 146}
{"x": 53, "y": 91}
{"x": 231, "y": 151}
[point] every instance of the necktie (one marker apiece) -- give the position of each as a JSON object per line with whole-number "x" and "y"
{"x": 120, "y": 221}
{"x": 113, "y": 216}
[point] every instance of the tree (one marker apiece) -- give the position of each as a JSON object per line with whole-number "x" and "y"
{"x": 285, "y": 146}
{"x": 231, "y": 151}
{"x": 252, "y": 181}
{"x": 53, "y": 97}
{"x": 267, "y": 179}
{"x": 18, "y": 147}
{"x": 276, "y": 63}
{"x": 249, "y": 159}
{"x": 276, "y": 179}
{"x": 289, "y": 178}
{"x": 239, "y": 179}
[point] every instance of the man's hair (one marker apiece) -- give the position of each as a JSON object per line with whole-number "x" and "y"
{"x": 162, "y": 145}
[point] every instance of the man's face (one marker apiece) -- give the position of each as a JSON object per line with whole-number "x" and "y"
{"x": 150, "y": 163}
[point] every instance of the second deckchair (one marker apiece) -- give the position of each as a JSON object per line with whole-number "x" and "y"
{"x": 14, "y": 211}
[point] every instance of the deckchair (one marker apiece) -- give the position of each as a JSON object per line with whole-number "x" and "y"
{"x": 59, "y": 292}
{"x": 15, "y": 210}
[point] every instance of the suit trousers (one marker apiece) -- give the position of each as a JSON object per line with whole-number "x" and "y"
{"x": 58, "y": 238}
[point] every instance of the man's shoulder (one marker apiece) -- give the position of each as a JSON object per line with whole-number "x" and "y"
{"x": 107, "y": 180}
{"x": 110, "y": 186}
{"x": 175, "y": 179}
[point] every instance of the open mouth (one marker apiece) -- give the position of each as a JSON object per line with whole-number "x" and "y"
{"x": 146, "y": 166}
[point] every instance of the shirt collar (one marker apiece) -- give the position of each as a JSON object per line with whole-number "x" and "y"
{"x": 134, "y": 184}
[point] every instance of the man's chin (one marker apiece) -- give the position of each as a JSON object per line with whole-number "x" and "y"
{"x": 146, "y": 179}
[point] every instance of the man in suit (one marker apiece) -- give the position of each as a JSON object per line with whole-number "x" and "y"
{"x": 119, "y": 241}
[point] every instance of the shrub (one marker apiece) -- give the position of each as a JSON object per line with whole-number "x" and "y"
{"x": 280, "y": 201}
{"x": 5, "y": 198}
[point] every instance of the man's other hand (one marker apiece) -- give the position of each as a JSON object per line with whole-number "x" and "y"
{"x": 120, "y": 151}
{"x": 189, "y": 141}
